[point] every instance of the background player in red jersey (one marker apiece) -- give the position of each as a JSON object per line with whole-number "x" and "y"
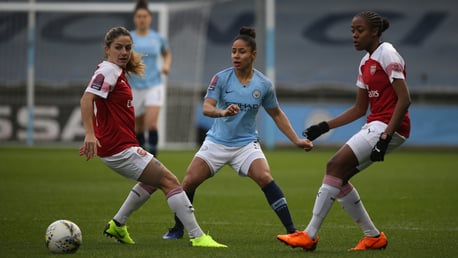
{"x": 382, "y": 86}
{"x": 109, "y": 121}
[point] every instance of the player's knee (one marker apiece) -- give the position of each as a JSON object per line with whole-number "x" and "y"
{"x": 333, "y": 166}
{"x": 170, "y": 179}
{"x": 262, "y": 179}
{"x": 190, "y": 185}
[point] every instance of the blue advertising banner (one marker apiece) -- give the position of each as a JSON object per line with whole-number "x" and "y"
{"x": 432, "y": 125}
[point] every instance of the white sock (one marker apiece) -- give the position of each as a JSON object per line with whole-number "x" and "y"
{"x": 323, "y": 203}
{"x": 136, "y": 198}
{"x": 353, "y": 205}
{"x": 180, "y": 204}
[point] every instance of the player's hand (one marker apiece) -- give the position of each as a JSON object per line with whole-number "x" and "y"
{"x": 89, "y": 148}
{"x": 231, "y": 110}
{"x": 165, "y": 70}
{"x": 379, "y": 150}
{"x": 307, "y": 145}
{"x": 315, "y": 131}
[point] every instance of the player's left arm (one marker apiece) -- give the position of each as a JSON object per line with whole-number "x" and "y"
{"x": 283, "y": 123}
{"x": 167, "y": 57}
{"x": 402, "y": 105}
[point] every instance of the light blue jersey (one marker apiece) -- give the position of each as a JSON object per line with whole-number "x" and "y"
{"x": 240, "y": 129}
{"x": 151, "y": 47}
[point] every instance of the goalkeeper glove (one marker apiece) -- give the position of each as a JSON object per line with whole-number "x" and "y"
{"x": 315, "y": 131}
{"x": 378, "y": 151}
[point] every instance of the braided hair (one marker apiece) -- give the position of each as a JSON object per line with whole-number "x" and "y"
{"x": 375, "y": 20}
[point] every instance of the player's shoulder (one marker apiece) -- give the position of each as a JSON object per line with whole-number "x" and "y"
{"x": 387, "y": 54}
{"x": 385, "y": 48}
{"x": 260, "y": 75}
{"x": 154, "y": 34}
{"x": 261, "y": 78}
{"x": 107, "y": 68}
{"x": 225, "y": 73}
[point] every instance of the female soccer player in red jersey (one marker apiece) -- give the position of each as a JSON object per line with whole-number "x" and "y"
{"x": 382, "y": 86}
{"x": 109, "y": 121}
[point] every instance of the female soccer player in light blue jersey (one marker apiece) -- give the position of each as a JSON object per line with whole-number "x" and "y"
{"x": 233, "y": 98}
{"x": 148, "y": 90}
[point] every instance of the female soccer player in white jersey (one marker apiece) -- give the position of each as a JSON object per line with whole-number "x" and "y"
{"x": 234, "y": 98}
{"x": 382, "y": 86}
{"x": 148, "y": 90}
{"x": 109, "y": 121}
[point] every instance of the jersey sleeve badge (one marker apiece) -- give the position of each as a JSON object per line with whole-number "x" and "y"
{"x": 97, "y": 83}
{"x": 213, "y": 83}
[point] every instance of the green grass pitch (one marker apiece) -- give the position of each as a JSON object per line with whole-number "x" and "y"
{"x": 411, "y": 197}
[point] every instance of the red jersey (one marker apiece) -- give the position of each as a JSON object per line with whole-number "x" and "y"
{"x": 114, "y": 119}
{"x": 376, "y": 73}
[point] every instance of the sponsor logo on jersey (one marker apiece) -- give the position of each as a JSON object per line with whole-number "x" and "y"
{"x": 373, "y": 93}
{"x": 98, "y": 82}
{"x": 244, "y": 106}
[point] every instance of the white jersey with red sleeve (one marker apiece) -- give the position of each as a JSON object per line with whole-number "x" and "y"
{"x": 114, "y": 120}
{"x": 376, "y": 73}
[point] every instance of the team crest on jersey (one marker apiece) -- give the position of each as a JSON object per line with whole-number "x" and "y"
{"x": 213, "y": 82}
{"x": 373, "y": 69}
{"x": 97, "y": 83}
{"x": 256, "y": 94}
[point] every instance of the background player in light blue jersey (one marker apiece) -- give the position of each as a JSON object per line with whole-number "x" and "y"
{"x": 148, "y": 91}
{"x": 234, "y": 97}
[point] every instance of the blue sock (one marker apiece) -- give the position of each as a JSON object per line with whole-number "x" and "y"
{"x": 141, "y": 139}
{"x": 152, "y": 140}
{"x": 278, "y": 203}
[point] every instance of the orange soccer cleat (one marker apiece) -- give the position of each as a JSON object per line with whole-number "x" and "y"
{"x": 370, "y": 243}
{"x": 299, "y": 239}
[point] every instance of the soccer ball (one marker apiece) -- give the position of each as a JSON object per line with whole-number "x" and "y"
{"x": 63, "y": 237}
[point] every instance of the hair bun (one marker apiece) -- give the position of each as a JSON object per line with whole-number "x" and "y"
{"x": 141, "y": 4}
{"x": 248, "y": 31}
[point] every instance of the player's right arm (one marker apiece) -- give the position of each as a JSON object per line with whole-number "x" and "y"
{"x": 89, "y": 148}
{"x": 358, "y": 110}
{"x": 209, "y": 109}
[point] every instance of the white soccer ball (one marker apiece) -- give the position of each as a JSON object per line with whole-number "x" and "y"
{"x": 63, "y": 237}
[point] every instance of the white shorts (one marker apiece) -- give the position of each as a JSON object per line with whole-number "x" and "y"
{"x": 363, "y": 141}
{"x": 239, "y": 158}
{"x": 152, "y": 96}
{"x": 129, "y": 163}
